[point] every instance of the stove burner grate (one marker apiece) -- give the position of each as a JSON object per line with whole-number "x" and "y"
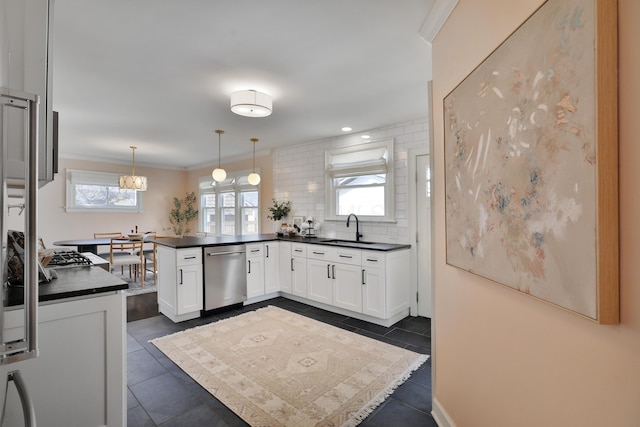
{"x": 68, "y": 259}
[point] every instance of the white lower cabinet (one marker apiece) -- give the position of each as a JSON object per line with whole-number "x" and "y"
{"x": 255, "y": 270}
{"x": 79, "y": 377}
{"x": 271, "y": 267}
{"x": 373, "y": 284}
{"x": 180, "y": 282}
{"x": 299, "y": 269}
{"x": 285, "y": 261}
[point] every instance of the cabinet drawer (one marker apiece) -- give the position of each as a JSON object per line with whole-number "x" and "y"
{"x": 299, "y": 250}
{"x": 189, "y": 256}
{"x": 254, "y": 250}
{"x": 319, "y": 252}
{"x": 373, "y": 259}
{"x": 347, "y": 256}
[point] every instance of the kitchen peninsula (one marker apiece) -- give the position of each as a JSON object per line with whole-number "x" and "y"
{"x": 365, "y": 280}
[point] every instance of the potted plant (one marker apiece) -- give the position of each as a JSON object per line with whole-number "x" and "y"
{"x": 182, "y": 213}
{"x": 278, "y": 211}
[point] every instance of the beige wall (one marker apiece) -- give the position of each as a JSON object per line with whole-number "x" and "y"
{"x": 502, "y": 358}
{"x": 56, "y": 224}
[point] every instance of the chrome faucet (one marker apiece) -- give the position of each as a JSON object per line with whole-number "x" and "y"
{"x": 358, "y": 235}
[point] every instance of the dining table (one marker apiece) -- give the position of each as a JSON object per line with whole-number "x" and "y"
{"x": 90, "y": 245}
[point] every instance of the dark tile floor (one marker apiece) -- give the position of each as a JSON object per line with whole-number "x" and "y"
{"x": 160, "y": 394}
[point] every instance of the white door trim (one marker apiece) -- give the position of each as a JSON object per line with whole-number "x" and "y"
{"x": 413, "y": 225}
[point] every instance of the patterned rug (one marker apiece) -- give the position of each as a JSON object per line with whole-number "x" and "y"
{"x": 273, "y": 367}
{"x": 135, "y": 287}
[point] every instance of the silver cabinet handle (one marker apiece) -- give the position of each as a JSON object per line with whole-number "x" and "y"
{"x": 267, "y": 246}
{"x": 298, "y": 250}
{"x": 363, "y": 279}
{"x": 249, "y": 261}
{"x": 189, "y": 257}
{"x": 372, "y": 260}
{"x": 180, "y": 277}
{"x": 328, "y": 271}
{"x": 255, "y": 250}
{"x": 346, "y": 256}
{"x": 292, "y": 265}
{"x": 318, "y": 253}
{"x": 333, "y": 271}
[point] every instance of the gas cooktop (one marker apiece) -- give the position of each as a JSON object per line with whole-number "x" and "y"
{"x": 68, "y": 258}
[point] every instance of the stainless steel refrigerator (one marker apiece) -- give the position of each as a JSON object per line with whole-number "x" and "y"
{"x": 19, "y": 322}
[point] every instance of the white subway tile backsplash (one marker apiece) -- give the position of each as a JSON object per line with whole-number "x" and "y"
{"x": 298, "y": 175}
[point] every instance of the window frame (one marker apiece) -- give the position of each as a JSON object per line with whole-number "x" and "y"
{"x": 108, "y": 179}
{"x": 375, "y": 164}
{"x": 208, "y": 186}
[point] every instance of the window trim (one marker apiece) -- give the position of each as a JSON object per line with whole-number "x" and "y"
{"x": 84, "y": 177}
{"x": 374, "y": 164}
{"x": 205, "y": 187}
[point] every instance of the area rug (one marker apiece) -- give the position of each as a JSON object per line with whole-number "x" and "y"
{"x": 135, "y": 287}
{"x": 273, "y": 367}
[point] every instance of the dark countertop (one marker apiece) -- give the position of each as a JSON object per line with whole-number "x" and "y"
{"x": 191, "y": 242}
{"x": 71, "y": 282}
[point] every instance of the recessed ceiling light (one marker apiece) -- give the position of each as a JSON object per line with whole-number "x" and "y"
{"x": 365, "y": 136}
{"x": 346, "y": 129}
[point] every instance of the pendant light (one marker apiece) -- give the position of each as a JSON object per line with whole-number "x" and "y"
{"x": 254, "y": 178}
{"x": 133, "y": 181}
{"x": 218, "y": 173}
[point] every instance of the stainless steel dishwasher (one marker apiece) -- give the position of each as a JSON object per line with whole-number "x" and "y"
{"x": 225, "y": 276}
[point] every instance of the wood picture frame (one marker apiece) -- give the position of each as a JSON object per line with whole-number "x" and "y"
{"x": 531, "y": 161}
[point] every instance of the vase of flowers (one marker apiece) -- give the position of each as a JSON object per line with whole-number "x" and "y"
{"x": 278, "y": 212}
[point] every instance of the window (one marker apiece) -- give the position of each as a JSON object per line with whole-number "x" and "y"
{"x": 229, "y": 207}
{"x": 89, "y": 191}
{"x": 360, "y": 181}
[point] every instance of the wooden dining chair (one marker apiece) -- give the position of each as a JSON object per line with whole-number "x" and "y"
{"x": 129, "y": 252}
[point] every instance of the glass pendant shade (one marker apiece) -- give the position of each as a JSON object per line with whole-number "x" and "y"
{"x": 218, "y": 173}
{"x": 133, "y": 181}
{"x": 253, "y": 178}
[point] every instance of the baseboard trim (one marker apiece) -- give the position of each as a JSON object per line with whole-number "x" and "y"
{"x": 440, "y": 415}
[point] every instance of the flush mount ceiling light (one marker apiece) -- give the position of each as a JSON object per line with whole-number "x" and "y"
{"x": 218, "y": 173}
{"x": 346, "y": 129}
{"x": 254, "y": 178}
{"x": 251, "y": 103}
{"x": 133, "y": 181}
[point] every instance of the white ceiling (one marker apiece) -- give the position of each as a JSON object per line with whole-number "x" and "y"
{"x": 158, "y": 74}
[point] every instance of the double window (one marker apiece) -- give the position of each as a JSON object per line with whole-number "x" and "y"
{"x": 229, "y": 207}
{"x": 360, "y": 181}
{"x": 90, "y": 191}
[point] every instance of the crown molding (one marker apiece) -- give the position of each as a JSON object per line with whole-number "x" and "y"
{"x": 436, "y": 18}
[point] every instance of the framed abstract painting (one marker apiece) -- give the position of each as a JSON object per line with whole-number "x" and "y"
{"x": 531, "y": 161}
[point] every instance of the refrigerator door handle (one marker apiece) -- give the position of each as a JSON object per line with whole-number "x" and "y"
{"x": 27, "y": 405}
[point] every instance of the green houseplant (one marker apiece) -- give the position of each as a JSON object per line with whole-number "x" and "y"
{"x": 278, "y": 211}
{"x": 182, "y": 213}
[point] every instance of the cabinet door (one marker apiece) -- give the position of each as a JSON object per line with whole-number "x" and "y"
{"x": 167, "y": 274}
{"x": 189, "y": 289}
{"x": 255, "y": 277}
{"x": 299, "y": 276}
{"x": 374, "y": 292}
{"x": 286, "y": 266}
{"x": 319, "y": 281}
{"x": 347, "y": 287}
{"x": 271, "y": 267}
{"x": 30, "y": 29}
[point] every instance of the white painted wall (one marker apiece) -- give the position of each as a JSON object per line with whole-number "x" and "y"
{"x": 298, "y": 176}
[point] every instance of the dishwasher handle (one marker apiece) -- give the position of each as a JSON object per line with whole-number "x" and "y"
{"x": 224, "y": 253}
